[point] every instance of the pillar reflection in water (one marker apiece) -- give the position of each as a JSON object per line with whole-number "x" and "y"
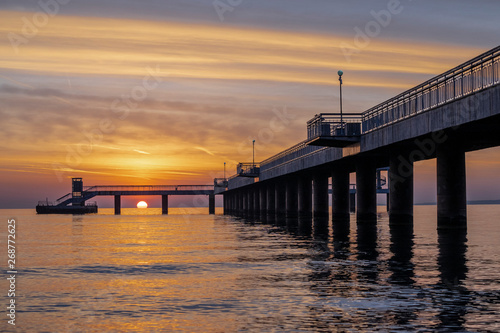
{"x": 452, "y": 294}
{"x": 401, "y": 264}
{"x": 367, "y": 249}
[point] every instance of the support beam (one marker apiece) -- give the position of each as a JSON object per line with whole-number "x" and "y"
{"x": 340, "y": 194}
{"x": 164, "y": 204}
{"x": 305, "y": 196}
{"x": 256, "y": 200}
{"x": 451, "y": 186}
{"x": 401, "y": 189}
{"x": 250, "y": 197}
{"x": 320, "y": 193}
{"x": 271, "y": 199}
{"x": 263, "y": 200}
{"x": 118, "y": 205}
{"x": 366, "y": 189}
{"x": 352, "y": 202}
{"x": 280, "y": 201}
{"x": 291, "y": 197}
{"x": 211, "y": 204}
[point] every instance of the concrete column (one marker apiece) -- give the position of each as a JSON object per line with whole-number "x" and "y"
{"x": 211, "y": 204}
{"x": 250, "y": 201}
{"x": 401, "y": 189}
{"x": 366, "y": 189}
{"x": 291, "y": 197}
{"x": 280, "y": 200}
{"x": 305, "y": 196}
{"x": 244, "y": 202}
{"x": 352, "y": 202}
{"x": 263, "y": 200}
{"x": 451, "y": 186}
{"x": 164, "y": 204}
{"x": 271, "y": 199}
{"x": 227, "y": 203}
{"x": 256, "y": 200}
{"x": 340, "y": 194}
{"x": 118, "y": 205}
{"x": 320, "y": 193}
{"x": 239, "y": 203}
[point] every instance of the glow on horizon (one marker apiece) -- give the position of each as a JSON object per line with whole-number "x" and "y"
{"x": 219, "y": 86}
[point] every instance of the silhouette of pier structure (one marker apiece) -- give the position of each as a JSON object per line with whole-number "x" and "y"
{"x": 80, "y": 195}
{"x": 443, "y": 118}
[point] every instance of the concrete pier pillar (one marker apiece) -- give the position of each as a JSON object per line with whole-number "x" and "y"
{"x": 451, "y": 186}
{"x": 239, "y": 203}
{"x": 291, "y": 197}
{"x": 250, "y": 211}
{"x": 164, "y": 204}
{"x": 244, "y": 202}
{"x": 256, "y": 200}
{"x": 366, "y": 189}
{"x": 263, "y": 200}
{"x": 305, "y": 196}
{"x": 118, "y": 204}
{"x": 211, "y": 204}
{"x": 340, "y": 194}
{"x": 352, "y": 202}
{"x": 280, "y": 195}
{"x": 401, "y": 189}
{"x": 320, "y": 194}
{"x": 271, "y": 199}
{"x": 227, "y": 203}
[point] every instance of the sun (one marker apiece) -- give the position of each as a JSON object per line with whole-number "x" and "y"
{"x": 142, "y": 204}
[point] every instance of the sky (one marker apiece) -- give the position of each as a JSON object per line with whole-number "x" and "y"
{"x": 165, "y": 92}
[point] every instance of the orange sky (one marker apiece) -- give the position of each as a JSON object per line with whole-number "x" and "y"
{"x": 130, "y": 101}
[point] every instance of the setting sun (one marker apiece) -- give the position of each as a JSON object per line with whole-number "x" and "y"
{"x": 142, "y": 204}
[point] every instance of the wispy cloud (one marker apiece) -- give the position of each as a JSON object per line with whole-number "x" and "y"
{"x": 205, "y": 150}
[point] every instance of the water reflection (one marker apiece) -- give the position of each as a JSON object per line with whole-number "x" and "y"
{"x": 452, "y": 294}
{"x": 400, "y": 264}
{"x": 367, "y": 250}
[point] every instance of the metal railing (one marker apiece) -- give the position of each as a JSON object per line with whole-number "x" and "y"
{"x": 474, "y": 75}
{"x": 299, "y": 150}
{"x": 248, "y": 169}
{"x": 220, "y": 182}
{"x": 64, "y": 197}
{"x": 332, "y": 124}
{"x": 110, "y": 188}
{"x": 45, "y": 203}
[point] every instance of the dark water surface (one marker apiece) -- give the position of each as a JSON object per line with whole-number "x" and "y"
{"x": 198, "y": 273}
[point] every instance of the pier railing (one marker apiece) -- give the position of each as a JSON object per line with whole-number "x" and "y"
{"x": 474, "y": 75}
{"x": 332, "y": 124}
{"x": 248, "y": 169}
{"x": 299, "y": 150}
{"x": 111, "y": 188}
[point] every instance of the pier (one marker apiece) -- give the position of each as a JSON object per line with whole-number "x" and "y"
{"x": 80, "y": 194}
{"x": 443, "y": 118}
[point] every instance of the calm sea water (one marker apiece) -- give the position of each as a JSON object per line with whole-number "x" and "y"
{"x": 189, "y": 272}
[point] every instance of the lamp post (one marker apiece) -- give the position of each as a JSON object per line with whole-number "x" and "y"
{"x": 340, "y": 73}
{"x": 253, "y": 153}
{"x": 224, "y": 171}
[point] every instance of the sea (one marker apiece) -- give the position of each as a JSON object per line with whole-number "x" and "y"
{"x": 194, "y": 272}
